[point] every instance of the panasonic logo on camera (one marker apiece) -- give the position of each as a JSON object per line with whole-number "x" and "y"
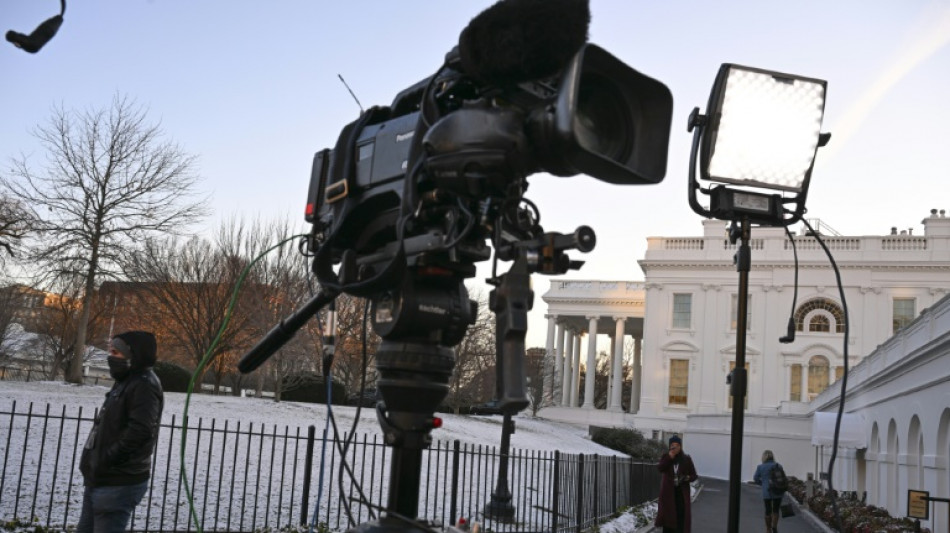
{"x": 403, "y": 136}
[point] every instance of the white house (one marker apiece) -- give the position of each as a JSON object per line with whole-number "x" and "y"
{"x": 683, "y": 318}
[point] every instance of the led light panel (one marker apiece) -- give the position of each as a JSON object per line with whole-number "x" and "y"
{"x": 768, "y": 129}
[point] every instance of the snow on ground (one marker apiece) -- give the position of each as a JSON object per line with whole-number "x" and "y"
{"x": 530, "y": 433}
{"x": 222, "y": 481}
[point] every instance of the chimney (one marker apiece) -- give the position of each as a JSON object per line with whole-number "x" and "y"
{"x": 893, "y": 230}
{"x": 937, "y": 224}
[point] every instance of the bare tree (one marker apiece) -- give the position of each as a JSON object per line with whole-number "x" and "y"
{"x": 472, "y": 380}
{"x": 58, "y": 324}
{"x": 183, "y": 295}
{"x": 278, "y": 287}
{"x": 348, "y": 363}
{"x": 535, "y": 369}
{"x": 110, "y": 180}
{"x": 8, "y": 297}
{"x": 15, "y": 222}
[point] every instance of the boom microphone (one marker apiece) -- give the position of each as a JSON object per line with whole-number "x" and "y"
{"x": 520, "y": 40}
{"x": 41, "y": 35}
{"x": 283, "y": 332}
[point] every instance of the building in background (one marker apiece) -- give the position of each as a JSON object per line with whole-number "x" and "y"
{"x": 682, "y": 321}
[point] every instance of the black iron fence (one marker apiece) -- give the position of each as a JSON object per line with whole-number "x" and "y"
{"x": 249, "y": 477}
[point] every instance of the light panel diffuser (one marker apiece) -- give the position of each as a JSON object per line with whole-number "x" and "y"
{"x": 767, "y": 130}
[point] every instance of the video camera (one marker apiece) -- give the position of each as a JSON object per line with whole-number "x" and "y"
{"x": 404, "y": 204}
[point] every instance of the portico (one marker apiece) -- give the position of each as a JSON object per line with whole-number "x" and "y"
{"x": 591, "y": 324}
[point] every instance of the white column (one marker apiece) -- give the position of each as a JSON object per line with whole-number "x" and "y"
{"x": 549, "y": 365}
{"x": 568, "y": 367}
{"x": 617, "y": 381}
{"x": 610, "y": 372}
{"x": 637, "y": 371}
{"x": 560, "y": 371}
{"x": 805, "y": 382}
{"x": 591, "y": 364}
{"x": 576, "y": 370}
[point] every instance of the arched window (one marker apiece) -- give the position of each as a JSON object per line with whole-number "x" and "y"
{"x": 817, "y": 376}
{"x": 824, "y": 304}
{"x": 819, "y": 322}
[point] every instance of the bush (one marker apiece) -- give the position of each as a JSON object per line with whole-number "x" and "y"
{"x": 856, "y": 517}
{"x": 310, "y": 388}
{"x": 172, "y": 377}
{"x": 630, "y": 442}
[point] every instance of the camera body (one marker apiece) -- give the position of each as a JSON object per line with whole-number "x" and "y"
{"x": 447, "y": 162}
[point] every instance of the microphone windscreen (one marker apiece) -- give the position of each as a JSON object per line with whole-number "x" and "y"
{"x": 521, "y": 40}
{"x": 40, "y": 36}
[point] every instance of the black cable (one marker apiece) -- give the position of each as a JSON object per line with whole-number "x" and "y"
{"x": 790, "y": 332}
{"x": 356, "y": 418}
{"x": 470, "y": 223}
{"x": 844, "y": 377}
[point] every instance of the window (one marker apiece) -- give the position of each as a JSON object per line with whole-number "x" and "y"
{"x": 903, "y": 312}
{"x": 732, "y": 366}
{"x": 834, "y": 314}
{"x": 795, "y": 389}
{"x": 682, "y": 311}
{"x": 819, "y": 323}
{"x": 817, "y": 376}
{"x": 734, "y": 312}
{"x": 839, "y": 371}
{"x": 679, "y": 381}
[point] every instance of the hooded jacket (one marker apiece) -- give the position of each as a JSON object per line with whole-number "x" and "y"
{"x": 119, "y": 448}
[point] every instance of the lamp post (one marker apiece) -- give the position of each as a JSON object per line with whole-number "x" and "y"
{"x": 500, "y": 507}
{"x": 761, "y": 133}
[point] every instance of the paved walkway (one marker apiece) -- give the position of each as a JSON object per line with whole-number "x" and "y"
{"x": 711, "y": 511}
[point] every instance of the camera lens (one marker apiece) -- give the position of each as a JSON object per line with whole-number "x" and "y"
{"x": 602, "y": 120}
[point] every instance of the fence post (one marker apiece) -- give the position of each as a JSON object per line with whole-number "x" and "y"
{"x": 596, "y": 466}
{"x": 613, "y": 485}
{"x": 455, "y": 482}
{"x": 556, "y": 491}
{"x": 308, "y": 467}
{"x": 632, "y": 497}
{"x": 579, "y": 493}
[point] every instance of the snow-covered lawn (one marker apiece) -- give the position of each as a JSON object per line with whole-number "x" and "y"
{"x": 233, "y": 472}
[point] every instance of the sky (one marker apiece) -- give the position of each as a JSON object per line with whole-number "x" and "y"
{"x": 252, "y": 89}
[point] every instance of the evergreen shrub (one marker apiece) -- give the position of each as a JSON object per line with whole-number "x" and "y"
{"x": 310, "y": 388}
{"x": 172, "y": 377}
{"x": 631, "y": 442}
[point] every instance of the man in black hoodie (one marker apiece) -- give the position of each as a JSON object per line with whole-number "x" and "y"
{"x": 116, "y": 459}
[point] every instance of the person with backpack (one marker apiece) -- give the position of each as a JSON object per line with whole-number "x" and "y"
{"x": 771, "y": 476}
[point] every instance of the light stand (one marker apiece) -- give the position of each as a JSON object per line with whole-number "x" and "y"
{"x": 500, "y": 507}
{"x": 761, "y": 132}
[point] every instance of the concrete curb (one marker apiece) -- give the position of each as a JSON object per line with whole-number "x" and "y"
{"x": 809, "y": 516}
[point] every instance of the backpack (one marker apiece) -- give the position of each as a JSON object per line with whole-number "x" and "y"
{"x": 778, "y": 481}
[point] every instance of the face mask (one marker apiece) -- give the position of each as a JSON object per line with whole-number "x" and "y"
{"x": 118, "y": 367}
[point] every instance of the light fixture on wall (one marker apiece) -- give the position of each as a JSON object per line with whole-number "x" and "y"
{"x": 757, "y": 147}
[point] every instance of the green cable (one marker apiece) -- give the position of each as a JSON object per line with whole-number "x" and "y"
{"x": 204, "y": 362}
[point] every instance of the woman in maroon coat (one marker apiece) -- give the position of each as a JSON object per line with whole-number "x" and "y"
{"x": 678, "y": 472}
